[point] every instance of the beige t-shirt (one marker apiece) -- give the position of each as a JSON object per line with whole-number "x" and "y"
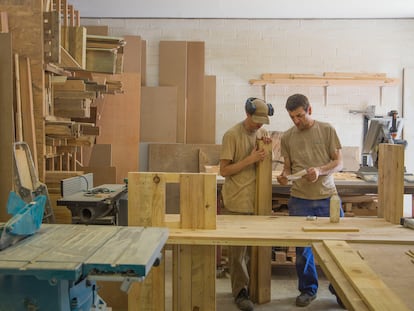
{"x": 311, "y": 148}
{"x": 239, "y": 189}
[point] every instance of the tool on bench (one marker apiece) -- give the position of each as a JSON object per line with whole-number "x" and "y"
{"x": 26, "y": 179}
{"x": 407, "y": 222}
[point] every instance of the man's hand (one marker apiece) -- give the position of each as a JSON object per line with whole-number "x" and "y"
{"x": 258, "y": 154}
{"x": 282, "y": 179}
{"x": 313, "y": 174}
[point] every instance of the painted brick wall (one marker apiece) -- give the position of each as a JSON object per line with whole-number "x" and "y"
{"x": 240, "y": 50}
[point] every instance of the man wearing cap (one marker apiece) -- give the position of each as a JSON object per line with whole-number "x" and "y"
{"x": 238, "y": 159}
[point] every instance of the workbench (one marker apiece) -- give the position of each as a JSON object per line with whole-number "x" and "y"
{"x": 381, "y": 245}
{"x": 42, "y": 267}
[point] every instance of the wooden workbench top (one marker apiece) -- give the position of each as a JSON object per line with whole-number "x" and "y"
{"x": 288, "y": 231}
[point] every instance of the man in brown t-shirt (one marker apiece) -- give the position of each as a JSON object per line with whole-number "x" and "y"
{"x": 238, "y": 165}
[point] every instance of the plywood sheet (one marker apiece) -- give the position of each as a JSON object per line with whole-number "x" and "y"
{"x": 158, "y": 111}
{"x": 173, "y": 72}
{"x": 119, "y": 124}
{"x": 101, "y": 155}
{"x": 6, "y": 123}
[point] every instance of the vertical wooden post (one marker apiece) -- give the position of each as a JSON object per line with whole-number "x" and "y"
{"x": 261, "y": 261}
{"x": 146, "y": 207}
{"x": 194, "y": 270}
{"x": 391, "y": 182}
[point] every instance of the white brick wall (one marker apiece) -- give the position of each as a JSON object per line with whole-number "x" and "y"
{"x": 240, "y": 50}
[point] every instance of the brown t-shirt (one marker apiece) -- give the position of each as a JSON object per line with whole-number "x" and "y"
{"x": 311, "y": 148}
{"x": 239, "y": 189}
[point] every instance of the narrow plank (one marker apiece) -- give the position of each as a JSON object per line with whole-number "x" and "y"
{"x": 173, "y": 72}
{"x": 146, "y": 207}
{"x": 77, "y": 45}
{"x": 391, "y": 172}
{"x": 209, "y": 110}
{"x": 196, "y": 108}
{"x": 7, "y": 121}
{"x": 4, "y": 22}
{"x": 330, "y": 229}
{"x": 26, "y": 95}
{"x": 343, "y": 287}
{"x": 374, "y": 292}
{"x": 261, "y": 277}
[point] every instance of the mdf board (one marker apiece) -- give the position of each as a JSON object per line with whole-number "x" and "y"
{"x": 6, "y": 123}
{"x": 195, "y": 93}
{"x": 26, "y": 26}
{"x": 119, "y": 124}
{"x": 173, "y": 72}
{"x": 158, "y": 111}
{"x": 208, "y": 130}
{"x": 132, "y": 54}
{"x": 97, "y": 30}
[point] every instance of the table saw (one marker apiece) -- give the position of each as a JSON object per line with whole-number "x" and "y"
{"x": 56, "y": 268}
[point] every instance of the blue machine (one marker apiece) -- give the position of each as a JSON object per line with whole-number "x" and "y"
{"x": 51, "y": 267}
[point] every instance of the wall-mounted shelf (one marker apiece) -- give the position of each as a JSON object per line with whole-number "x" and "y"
{"x": 325, "y": 80}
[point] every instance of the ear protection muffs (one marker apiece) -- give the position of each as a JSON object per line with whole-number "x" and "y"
{"x": 251, "y": 107}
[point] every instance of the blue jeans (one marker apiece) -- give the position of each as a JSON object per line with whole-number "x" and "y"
{"x": 305, "y": 263}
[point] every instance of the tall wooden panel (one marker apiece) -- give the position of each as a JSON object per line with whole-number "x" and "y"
{"x": 195, "y": 93}
{"x": 173, "y": 72}
{"x": 391, "y": 182}
{"x": 132, "y": 54}
{"x": 158, "y": 111}
{"x": 6, "y": 123}
{"x": 119, "y": 123}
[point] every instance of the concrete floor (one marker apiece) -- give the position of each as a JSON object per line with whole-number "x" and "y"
{"x": 283, "y": 289}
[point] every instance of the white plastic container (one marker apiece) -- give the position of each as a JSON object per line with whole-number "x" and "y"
{"x": 334, "y": 208}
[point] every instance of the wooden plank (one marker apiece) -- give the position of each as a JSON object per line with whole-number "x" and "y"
{"x": 143, "y": 62}
{"x": 209, "y": 110}
{"x": 158, "y": 104}
{"x": 329, "y": 229}
{"x": 7, "y": 122}
{"x": 196, "y": 106}
{"x": 367, "y": 284}
{"x": 77, "y": 45}
{"x": 146, "y": 207}
{"x": 173, "y": 72}
{"x": 26, "y": 95}
{"x": 101, "y": 60}
{"x": 391, "y": 172}
{"x": 4, "y": 22}
{"x": 343, "y": 287}
{"x": 196, "y": 268}
{"x": 261, "y": 271}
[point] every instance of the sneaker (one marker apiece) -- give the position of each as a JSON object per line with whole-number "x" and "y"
{"x": 243, "y": 302}
{"x": 304, "y": 299}
{"x": 338, "y": 300}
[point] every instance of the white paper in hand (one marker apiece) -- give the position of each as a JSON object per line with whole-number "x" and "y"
{"x": 297, "y": 175}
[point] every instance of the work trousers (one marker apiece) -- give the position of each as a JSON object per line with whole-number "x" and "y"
{"x": 305, "y": 262}
{"x": 239, "y": 263}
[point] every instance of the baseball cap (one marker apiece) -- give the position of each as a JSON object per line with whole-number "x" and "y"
{"x": 261, "y": 113}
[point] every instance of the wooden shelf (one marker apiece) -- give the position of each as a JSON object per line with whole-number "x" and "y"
{"x": 325, "y": 80}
